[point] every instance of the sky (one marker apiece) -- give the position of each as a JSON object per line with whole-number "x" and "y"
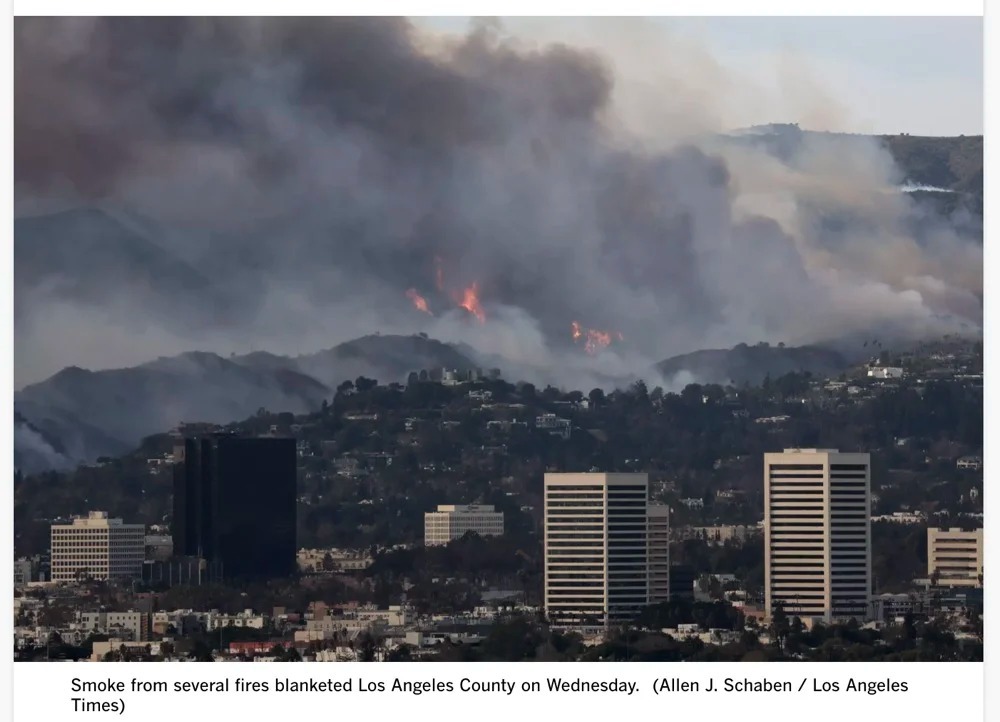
{"x": 919, "y": 75}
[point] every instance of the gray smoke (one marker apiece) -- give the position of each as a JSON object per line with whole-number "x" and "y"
{"x": 33, "y": 452}
{"x": 317, "y": 169}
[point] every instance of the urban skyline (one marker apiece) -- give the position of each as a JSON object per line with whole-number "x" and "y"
{"x": 462, "y": 339}
{"x": 606, "y": 549}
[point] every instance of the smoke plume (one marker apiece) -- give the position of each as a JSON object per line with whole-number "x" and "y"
{"x": 334, "y": 177}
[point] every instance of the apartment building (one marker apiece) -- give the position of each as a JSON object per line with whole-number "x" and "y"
{"x": 97, "y": 547}
{"x": 131, "y": 626}
{"x": 955, "y": 557}
{"x": 452, "y": 521}
{"x": 817, "y": 528}
{"x": 596, "y": 549}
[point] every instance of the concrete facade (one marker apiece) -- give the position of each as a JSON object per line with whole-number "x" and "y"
{"x": 97, "y": 547}
{"x": 596, "y": 549}
{"x": 658, "y": 519}
{"x": 817, "y": 534}
{"x": 955, "y": 557}
{"x": 452, "y": 521}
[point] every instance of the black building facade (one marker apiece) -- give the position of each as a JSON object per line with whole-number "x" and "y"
{"x": 235, "y": 504}
{"x": 682, "y": 578}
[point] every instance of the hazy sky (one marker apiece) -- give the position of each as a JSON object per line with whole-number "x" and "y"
{"x": 923, "y": 76}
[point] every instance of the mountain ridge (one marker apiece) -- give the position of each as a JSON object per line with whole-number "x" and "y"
{"x": 85, "y": 414}
{"x": 124, "y": 405}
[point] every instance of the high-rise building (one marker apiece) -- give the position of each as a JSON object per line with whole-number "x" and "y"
{"x": 596, "y": 549}
{"x": 955, "y": 557}
{"x": 452, "y": 521}
{"x": 97, "y": 547}
{"x": 817, "y": 534}
{"x": 658, "y": 531}
{"x": 235, "y": 504}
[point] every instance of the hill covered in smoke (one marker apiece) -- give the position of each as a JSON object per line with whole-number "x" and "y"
{"x": 746, "y": 364}
{"x": 79, "y": 415}
{"x": 293, "y": 184}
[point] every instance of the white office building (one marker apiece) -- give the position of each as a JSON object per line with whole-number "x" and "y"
{"x": 955, "y": 557}
{"x": 817, "y": 534}
{"x": 129, "y": 626}
{"x": 596, "y": 550}
{"x": 97, "y": 547}
{"x": 452, "y": 521}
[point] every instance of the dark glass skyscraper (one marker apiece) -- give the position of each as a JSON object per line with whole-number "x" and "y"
{"x": 234, "y": 503}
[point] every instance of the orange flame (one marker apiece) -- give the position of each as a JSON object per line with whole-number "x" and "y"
{"x": 467, "y": 299}
{"x": 593, "y": 339}
{"x": 470, "y": 302}
{"x": 419, "y": 302}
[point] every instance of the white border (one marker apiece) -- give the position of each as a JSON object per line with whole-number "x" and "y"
{"x": 451, "y": 8}
{"x": 623, "y": 7}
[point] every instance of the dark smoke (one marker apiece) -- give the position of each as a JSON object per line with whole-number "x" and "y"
{"x": 316, "y": 169}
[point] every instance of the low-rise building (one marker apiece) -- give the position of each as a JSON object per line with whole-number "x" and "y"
{"x": 955, "y": 557}
{"x": 970, "y": 463}
{"x": 452, "y": 521}
{"x": 97, "y": 547}
{"x": 129, "y": 626}
{"x": 885, "y": 372}
{"x": 554, "y": 425}
{"x": 22, "y": 572}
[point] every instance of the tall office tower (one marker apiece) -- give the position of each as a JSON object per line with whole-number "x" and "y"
{"x": 235, "y": 504}
{"x": 97, "y": 547}
{"x": 955, "y": 557}
{"x": 817, "y": 533}
{"x": 658, "y": 530}
{"x": 596, "y": 549}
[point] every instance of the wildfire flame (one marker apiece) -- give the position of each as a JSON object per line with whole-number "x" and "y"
{"x": 593, "y": 339}
{"x": 470, "y": 302}
{"x": 418, "y": 301}
{"x": 467, "y": 298}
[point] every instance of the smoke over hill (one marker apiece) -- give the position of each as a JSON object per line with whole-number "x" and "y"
{"x": 335, "y": 177}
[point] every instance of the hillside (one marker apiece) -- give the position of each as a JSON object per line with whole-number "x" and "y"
{"x": 745, "y": 364}
{"x": 952, "y": 164}
{"x": 387, "y": 358}
{"x": 121, "y": 406}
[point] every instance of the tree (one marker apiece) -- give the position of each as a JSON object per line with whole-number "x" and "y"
{"x": 402, "y": 653}
{"x": 368, "y": 648}
{"x": 780, "y": 626}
